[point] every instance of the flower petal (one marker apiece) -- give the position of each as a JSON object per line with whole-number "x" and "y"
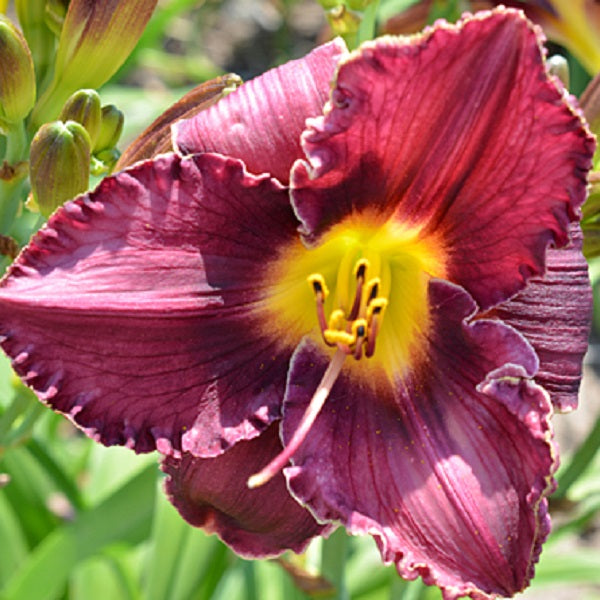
{"x": 458, "y": 131}
{"x": 554, "y": 314}
{"x": 261, "y": 122}
{"x": 446, "y": 465}
{"x": 212, "y": 493}
{"x": 156, "y": 138}
{"x": 137, "y": 309}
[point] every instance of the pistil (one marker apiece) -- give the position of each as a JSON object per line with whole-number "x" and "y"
{"x": 353, "y": 333}
{"x": 311, "y": 413}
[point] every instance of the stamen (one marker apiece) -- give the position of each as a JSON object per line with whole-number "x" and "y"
{"x": 360, "y": 270}
{"x": 359, "y": 328}
{"x": 374, "y": 312}
{"x": 311, "y": 413}
{"x": 321, "y": 292}
{"x": 372, "y": 289}
{"x": 337, "y": 320}
{"x": 318, "y": 283}
{"x": 335, "y": 337}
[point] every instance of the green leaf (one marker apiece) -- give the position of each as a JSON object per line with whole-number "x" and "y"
{"x": 28, "y": 491}
{"x": 98, "y": 578}
{"x": 60, "y": 479}
{"x": 573, "y": 566}
{"x": 580, "y": 461}
{"x": 124, "y": 516}
{"x": 13, "y": 549}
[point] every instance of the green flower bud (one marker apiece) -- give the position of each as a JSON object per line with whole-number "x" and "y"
{"x": 59, "y": 164}
{"x": 329, "y": 4}
{"x": 84, "y": 107}
{"x": 343, "y": 21}
{"x": 56, "y": 11}
{"x": 111, "y": 128}
{"x": 17, "y": 76}
{"x": 358, "y": 5}
{"x": 104, "y": 162}
{"x": 95, "y": 40}
{"x": 41, "y": 40}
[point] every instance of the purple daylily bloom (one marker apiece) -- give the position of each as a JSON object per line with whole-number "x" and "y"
{"x": 368, "y": 315}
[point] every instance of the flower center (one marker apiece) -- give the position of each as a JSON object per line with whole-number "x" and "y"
{"x": 372, "y": 270}
{"x": 354, "y": 330}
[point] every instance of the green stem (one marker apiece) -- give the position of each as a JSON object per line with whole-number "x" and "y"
{"x": 17, "y": 143}
{"x": 15, "y": 409}
{"x": 334, "y": 554}
{"x": 11, "y": 190}
{"x": 579, "y": 463}
{"x": 368, "y": 26}
{"x": 49, "y": 105}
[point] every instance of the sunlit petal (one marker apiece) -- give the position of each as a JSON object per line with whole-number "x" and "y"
{"x": 137, "y": 310}
{"x": 261, "y": 122}
{"x": 445, "y": 465}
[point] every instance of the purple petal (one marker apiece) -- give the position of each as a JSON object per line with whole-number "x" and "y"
{"x": 460, "y": 134}
{"x": 554, "y": 314}
{"x": 138, "y": 310}
{"x": 446, "y": 464}
{"x": 212, "y": 493}
{"x": 261, "y": 122}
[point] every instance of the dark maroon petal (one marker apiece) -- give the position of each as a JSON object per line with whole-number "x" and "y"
{"x": 137, "y": 309}
{"x": 261, "y": 122}
{"x": 554, "y": 314}
{"x": 446, "y": 465}
{"x": 457, "y": 132}
{"x": 212, "y": 493}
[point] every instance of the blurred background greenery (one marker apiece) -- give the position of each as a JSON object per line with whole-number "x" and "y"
{"x": 80, "y": 521}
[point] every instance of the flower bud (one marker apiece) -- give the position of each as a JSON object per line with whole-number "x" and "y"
{"x": 56, "y": 11}
{"x": 359, "y": 5}
{"x": 95, "y": 40}
{"x": 111, "y": 127}
{"x": 104, "y": 162}
{"x": 84, "y": 107}
{"x": 343, "y": 21}
{"x": 41, "y": 41}
{"x": 17, "y": 76}
{"x": 59, "y": 164}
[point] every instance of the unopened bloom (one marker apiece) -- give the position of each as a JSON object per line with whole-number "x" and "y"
{"x": 17, "y": 77}
{"x": 95, "y": 40}
{"x": 59, "y": 164}
{"x": 84, "y": 107}
{"x": 362, "y": 299}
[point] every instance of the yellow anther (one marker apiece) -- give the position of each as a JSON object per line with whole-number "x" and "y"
{"x": 376, "y": 307}
{"x": 337, "y": 319}
{"x": 373, "y": 286}
{"x": 339, "y": 337}
{"x": 317, "y": 281}
{"x": 359, "y": 328}
{"x": 361, "y": 267}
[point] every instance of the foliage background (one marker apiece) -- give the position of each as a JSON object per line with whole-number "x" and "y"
{"x": 80, "y": 521}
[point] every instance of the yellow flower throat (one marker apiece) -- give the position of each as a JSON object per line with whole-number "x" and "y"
{"x": 378, "y": 308}
{"x": 368, "y": 283}
{"x": 351, "y": 331}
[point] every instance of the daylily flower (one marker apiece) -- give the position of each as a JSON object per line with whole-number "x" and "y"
{"x": 367, "y": 315}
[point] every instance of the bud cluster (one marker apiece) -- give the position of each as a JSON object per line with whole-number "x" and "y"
{"x": 51, "y": 64}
